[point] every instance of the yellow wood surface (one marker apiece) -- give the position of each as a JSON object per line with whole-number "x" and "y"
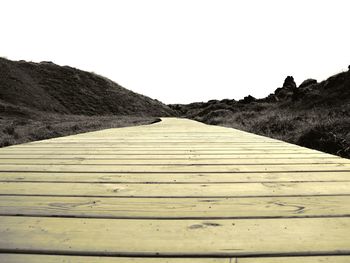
{"x": 195, "y": 177}
{"x": 92, "y": 156}
{"x": 322, "y": 259}
{"x": 177, "y": 188}
{"x": 21, "y": 258}
{"x": 225, "y": 237}
{"x": 227, "y": 168}
{"x": 172, "y": 161}
{"x": 258, "y": 207}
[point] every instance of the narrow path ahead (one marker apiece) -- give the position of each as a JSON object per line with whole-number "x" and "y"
{"x": 175, "y": 191}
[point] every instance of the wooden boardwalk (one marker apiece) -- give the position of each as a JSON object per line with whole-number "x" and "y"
{"x": 177, "y": 191}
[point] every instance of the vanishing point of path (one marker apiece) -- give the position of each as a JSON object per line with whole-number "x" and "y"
{"x": 175, "y": 191}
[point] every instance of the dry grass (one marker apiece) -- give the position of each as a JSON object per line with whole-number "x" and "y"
{"x": 316, "y": 116}
{"x": 322, "y": 129}
{"x": 16, "y": 130}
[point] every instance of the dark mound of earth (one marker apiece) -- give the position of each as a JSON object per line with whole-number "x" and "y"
{"x": 43, "y": 100}
{"x": 48, "y": 87}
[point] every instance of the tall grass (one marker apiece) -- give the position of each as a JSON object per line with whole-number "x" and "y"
{"x": 321, "y": 129}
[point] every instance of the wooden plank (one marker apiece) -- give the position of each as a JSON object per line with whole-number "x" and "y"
{"x": 224, "y": 237}
{"x": 177, "y": 208}
{"x": 27, "y": 258}
{"x": 20, "y": 258}
{"x": 161, "y": 135}
{"x": 176, "y": 190}
{"x": 137, "y": 142}
{"x": 184, "y": 161}
{"x": 121, "y": 138}
{"x": 152, "y": 151}
{"x": 157, "y": 151}
{"x": 140, "y": 141}
{"x": 214, "y": 192}
{"x": 172, "y": 157}
{"x": 149, "y": 144}
{"x": 167, "y": 156}
{"x": 135, "y": 132}
{"x": 132, "y": 137}
{"x": 176, "y": 177}
{"x": 175, "y": 168}
{"x": 155, "y": 147}
{"x": 320, "y": 259}
{"x": 160, "y": 144}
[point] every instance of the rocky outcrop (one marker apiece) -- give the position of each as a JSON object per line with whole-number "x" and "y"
{"x": 287, "y": 90}
{"x": 289, "y": 83}
{"x": 248, "y": 99}
{"x": 307, "y": 83}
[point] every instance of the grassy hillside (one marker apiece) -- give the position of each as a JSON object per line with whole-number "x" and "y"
{"x": 51, "y": 88}
{"x": 44, "y": 100}
{"x": 314, "y": 115}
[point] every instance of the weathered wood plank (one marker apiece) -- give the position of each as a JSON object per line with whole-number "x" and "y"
{"x": 140, "y": 142}
{"x": 169, "y": 139}
{"x": 117, "y": 155}
{"x": 166, "y": 142}
{"x": 34, "y": 156}
{"x": 177, "y": 208}
{"x": 153, "y": 152}
{"x": 176, "y": 190}
{"x": 322, "y": 259}
{"x": 214, "y": 148}
{"x": 25, "y": 258}
{"x": 83, "y": 161}
{"x": 234, "y": 168}
{"x": 176, "y": 237}
{"x": 175, "y": 177}
{"x": 233, "y": 182}
{"x": 21, "y": 258}
{"x": 161, "y": 145}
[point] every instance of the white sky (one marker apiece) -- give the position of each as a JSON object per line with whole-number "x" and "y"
{"x": 181, "y": 51}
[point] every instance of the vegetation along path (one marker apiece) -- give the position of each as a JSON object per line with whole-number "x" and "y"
{"x": 174, "y": 191}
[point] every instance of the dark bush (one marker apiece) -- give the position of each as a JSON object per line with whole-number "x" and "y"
{"x": 9, "y": 130}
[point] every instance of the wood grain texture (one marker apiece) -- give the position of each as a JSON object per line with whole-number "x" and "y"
{"x": 175, "y": 168}
{"x": 262, "y": 177}
{"x": 323, "y": 259}
{"x": 20, "y": 258}
{"x": 174, "y": 191}
{"x": 170, "y": 161}
{"x": 176, "y": 237}
{"x": 176, "y": 208}
{"x": 159, "y": 156}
